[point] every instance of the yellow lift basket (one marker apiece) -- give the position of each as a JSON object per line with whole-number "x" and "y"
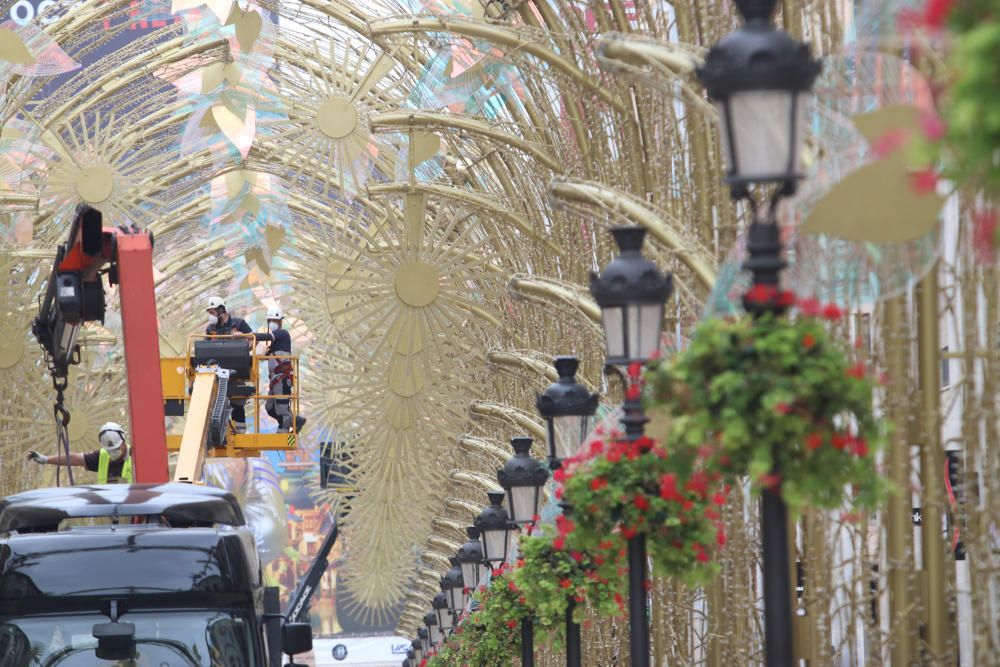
{"x": 179, "y": 375}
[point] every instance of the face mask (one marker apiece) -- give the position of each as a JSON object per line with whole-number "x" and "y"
{"x": 273, "y": 326}
{"x": 212, "y": 320}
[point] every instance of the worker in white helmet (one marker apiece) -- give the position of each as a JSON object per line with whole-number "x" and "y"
{"x": 112, "y": 461}
{"x": 221, "y": 323}
{"x": 279, "y": 371}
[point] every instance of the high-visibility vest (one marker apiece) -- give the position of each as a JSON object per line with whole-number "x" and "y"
{"x": 104, "y": 460}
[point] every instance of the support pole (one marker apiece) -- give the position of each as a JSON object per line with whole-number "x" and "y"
{"x": 898, "y": 522}
{"x": 936, "y": 607}
{"x": 777, "y": 585}
{"x": 573, "y": 649}
{"x": 527, "y": 643}
{"x": 638, "y": 621}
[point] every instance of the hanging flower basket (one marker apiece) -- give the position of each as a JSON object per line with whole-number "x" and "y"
{"x": 489, "y": 636}
{"x": 552, "y": 573}
{"x": 620, "y": 489}
{"x": 747, "y": 392}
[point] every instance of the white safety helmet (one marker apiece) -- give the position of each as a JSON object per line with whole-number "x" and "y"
{"x": 112, "y": 437}
{"x": 275, "y": 314}
{"x": 215, "y": 302}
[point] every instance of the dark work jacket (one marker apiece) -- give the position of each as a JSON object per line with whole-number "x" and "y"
{"x": 280, "y": 342}
{"x": 232, "y": 326}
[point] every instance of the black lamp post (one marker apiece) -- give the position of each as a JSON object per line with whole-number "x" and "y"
{"x": 632, "y": 293}
{"x": 434, "y": 635}
{"x": 495, "y": 530}
{"x": 425, "y": 640}
{"x": 568, "y": 409}
{"x": 445, "y": 620}
{"x": 411, "y": 658}
{"x": 417, "y": 650}
{"x": 573, "y": 641}
{"x": 523, "y": 478}
{"x": 453, "y": 586}
{"x": 759, "y": 77}
{"x": 471, "y": 559}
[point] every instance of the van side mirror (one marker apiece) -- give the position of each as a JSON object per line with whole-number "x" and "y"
{"x": 296, "y": 638}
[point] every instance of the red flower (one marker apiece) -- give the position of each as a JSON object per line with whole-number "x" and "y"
{"x": 559, "y": 543}
{"x": 719, "y": 498}
{"x": 634, "y": 370}
{"x": 711, "y": 514}
{"x": 810, "y": 307}
{"x": 702, "y": 555}
{"x": 831, "y": 312}
{"x": 566, "y": 583}
{"x": 619, "y": 600}
{"x": 783, "y": 408}
{"x": 512, "y": 586}
{"x": 770, "y": 480}
{"x": 633, "y": 392}
{"x": 644, "y": 444}
{"x": 598, "y": 483}
{"x": 857, "y": 371}
{"x": 559, "y": 475}
{"x": 564, "y": 525}
{"x": 786, "y": 298}
{"x": 924, "y": 181}
{"x": 808, "y": 341}
{"x": 579, "y": 598}
{"x": 698, "y": 484}
{"x": 720, "y": 536}
{"x": 687, "y": 504}
{"x": 596, "y": 447}
{"x": 839, "y": 440}
{"x": 860, "y": 447}
{"x": 936, "y": 12}
{"x": 628, "y": 532}
{"x": 576, "y": 555}
{"x": 559, "y": 493}
{"x": 814, "y": 441}
{"x": 668, "y": 487}
{"x": 607, "y": 544}
{"x": 641, "y": 502}
{"x": 932, "y": 125}
{"x": 761, "y": 293}
{"x": 889, "y": 143}
{"x": 511, "y": 624}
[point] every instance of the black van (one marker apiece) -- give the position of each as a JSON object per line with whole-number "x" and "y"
{"x": 168, "y": 576}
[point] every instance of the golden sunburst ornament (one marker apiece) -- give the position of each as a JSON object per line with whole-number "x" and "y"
{"x": 326, "y": 89}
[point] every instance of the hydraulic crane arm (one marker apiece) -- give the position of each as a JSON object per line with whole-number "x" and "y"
{"x": 310, "y": 582}
{"x": 207, "y": 422}
{"x": 75, "y": 295}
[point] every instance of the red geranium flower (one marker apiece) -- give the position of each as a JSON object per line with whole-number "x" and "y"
{"x": 808, "y": 341}
{"x": 566, "y": 583}
{"x": 857, "y": 371}
{"x": 668, "y": 487}
{"x": 598, "y": 483}
{"x": 641, "y": 502}
{"x": 761, "y": 293}
{"x": 511, "y": 624}
{"x": 832, "y": 312}
{"x": 720, "y": 536}
{"x": 810, "y": 307}
{"x": 814, "y": 441}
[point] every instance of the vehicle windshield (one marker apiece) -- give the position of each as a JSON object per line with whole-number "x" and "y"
{"x": 163, "y": 639}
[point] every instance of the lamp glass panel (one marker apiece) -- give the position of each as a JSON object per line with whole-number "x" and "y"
{"x": 419, "y": 654}
{"x": 648, "y": 319}
{"x": 470, "y": 573}
{"x": 570, "y": 432}
{"x": 760, "y": 123}
{"x": 436, "y": 635}
{"x": 495, "y": 545}
{"x": 523, "y": 503}
{"x": 454, "y": 599}
{"x": 614, "y": 335}
{"x": 445, "y": 620}
{"x": 425, "y": 643}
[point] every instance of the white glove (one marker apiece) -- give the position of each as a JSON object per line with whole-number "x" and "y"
{"x": 36, "y": 457}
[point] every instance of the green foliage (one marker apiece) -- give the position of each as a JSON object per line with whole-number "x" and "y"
{"x": 620, "y": 489}
{"x": 489, "y": 636}
{"x": 747, "y": 391}
{"x": 971, "y": 108}
{"x": 552, "y": 573}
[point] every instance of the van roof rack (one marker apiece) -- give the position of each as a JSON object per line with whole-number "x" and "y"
{"x": 44, "y": 509}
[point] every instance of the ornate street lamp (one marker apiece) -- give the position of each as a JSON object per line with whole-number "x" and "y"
{"x": 418, "y": 650}
{"x": 523, "y": 478}
{"x": 495, "y": 530}
{"x": 425, "y": 640}
{"x": 453, "y": 586}
{"x": 760, "y": 76}
{"x": 411, "y": 659}
{"x": 470, "y": 558}
{"x": 631, "y": 292}
{"x": 568, "y": 409}
{"x": 445, "y": 620}
{"x": 435, "y": 636}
